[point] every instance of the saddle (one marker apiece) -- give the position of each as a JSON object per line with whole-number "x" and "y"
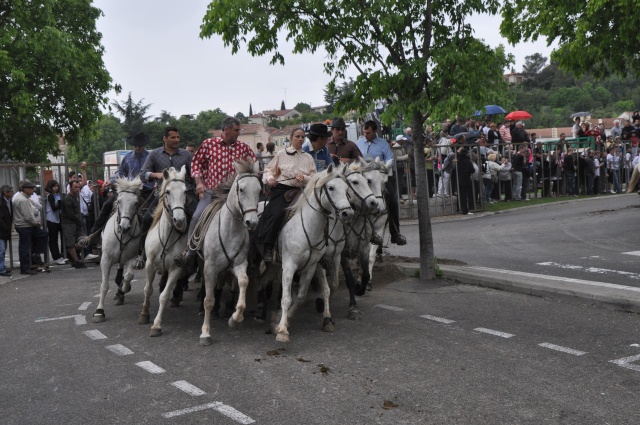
{"x": 291, "y": 196}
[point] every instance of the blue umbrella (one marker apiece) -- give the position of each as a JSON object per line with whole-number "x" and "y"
{"x": 490, "y": 110}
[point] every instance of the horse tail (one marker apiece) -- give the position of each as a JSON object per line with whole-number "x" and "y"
{"x": 634, "y": 179}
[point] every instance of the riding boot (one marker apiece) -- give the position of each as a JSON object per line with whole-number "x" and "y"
{"x": 105, "y": 213}
{"x": 139, "y": 262}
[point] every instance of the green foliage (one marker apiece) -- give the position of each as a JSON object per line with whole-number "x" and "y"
{"x": 282, "y": 107}
{"x": 134, "y": 114}
{"x": 597, "y": 36}
{"x": 106, "y": 135}
{"x": 302, "y": 107}
{"x": 52, "y": 77}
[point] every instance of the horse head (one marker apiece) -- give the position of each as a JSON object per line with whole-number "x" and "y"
{"x": 377, "y": 174}
{"x": 245, "y": 194}
{"x": 174, "y": 195}
{"x": 128, "y": 194}
{"x": 334, "y": 193}
{"x": 360, "y": 194}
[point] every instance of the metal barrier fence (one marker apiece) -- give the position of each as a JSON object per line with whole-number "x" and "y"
{"x": 41, "y": 174}
{"x": 544, "y": 176}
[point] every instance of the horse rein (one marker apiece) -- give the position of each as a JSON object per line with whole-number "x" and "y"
{"x": 243, "y": 212}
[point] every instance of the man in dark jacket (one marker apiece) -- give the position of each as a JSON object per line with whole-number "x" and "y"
{"x": 6, "y": 193}
{"x": 589, "y": 171}
{"x": 465, "y": 172}
{"x": 72, "y": 223}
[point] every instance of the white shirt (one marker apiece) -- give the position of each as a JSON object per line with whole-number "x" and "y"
{"x": 85, "y": 199}
{"x": 597, "y": 164}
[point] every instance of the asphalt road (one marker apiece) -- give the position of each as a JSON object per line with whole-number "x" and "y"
{"x": 593, "y": 239}
{"x": 475, "y": 358}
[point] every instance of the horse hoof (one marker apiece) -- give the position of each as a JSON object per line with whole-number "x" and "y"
{"x": 98, "y": 318}
{"x": 144, "y": 319}
{"x": 126, "y": 288}
{"x": 118, "y": 301}
{"x": 327, "y": 325}
{"x": 282, "y": 338}
{"x": 369, "y": 287}
{"x": 359, "y": 290}
{"x": 232, "y": 323}
{"x": 155, "y": 332}
{"x": 354, "y": 314}
{"x": 174, "y": 302}
{"x": 205, "y": 341}
{"x": 319, "y": 305}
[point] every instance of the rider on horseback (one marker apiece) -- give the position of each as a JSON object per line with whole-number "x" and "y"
{"x": 290, "y": 169}
{"x": 130, "y": 168}
{"x": 164, "y": 157}
{"x": 212, "y": 164}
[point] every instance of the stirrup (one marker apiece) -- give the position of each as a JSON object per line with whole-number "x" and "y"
{"x": 376, "y": 239}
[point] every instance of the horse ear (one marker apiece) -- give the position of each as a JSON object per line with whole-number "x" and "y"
{"x": 330, "y": 169}
{"x": 165, "y": 174}
{"x": 377, "y": 159}
{"x": 183, "y": 170}
{"x": 389, "y": 164}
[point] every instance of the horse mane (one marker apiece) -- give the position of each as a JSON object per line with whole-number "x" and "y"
{"x": 243, "y": 166}
{"x": 123, "y": 184}
{"x": 374, "y": 165}
{"x": 318, "y": 180}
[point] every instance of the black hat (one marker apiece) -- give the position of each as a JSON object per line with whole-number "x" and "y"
{"x": 338, "y": 123}
{"x": 138, "y": 139}
{"x": 319, "y": 130}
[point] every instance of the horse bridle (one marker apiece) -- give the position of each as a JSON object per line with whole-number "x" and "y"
{"x": 243, "y": 212}
{"x": 363, "y": 201}
{"x": 166, "y": 206}
{"x": 120, "y": 217}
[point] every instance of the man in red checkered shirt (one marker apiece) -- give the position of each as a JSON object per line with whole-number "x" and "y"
{"x": 212, "y": 164}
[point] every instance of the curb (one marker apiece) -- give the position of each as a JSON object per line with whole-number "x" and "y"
{"x": 601, "y": 294}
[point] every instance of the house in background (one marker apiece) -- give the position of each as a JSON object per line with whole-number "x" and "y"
{"x": 264, "y": 117}
{"x": 514, "y": 78}
{"x": 251, "y": 134}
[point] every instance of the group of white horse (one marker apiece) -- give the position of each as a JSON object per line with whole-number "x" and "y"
{"x": 332, "y": 222}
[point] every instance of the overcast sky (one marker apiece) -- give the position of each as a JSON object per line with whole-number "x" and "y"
{"x": 153, "y": 51}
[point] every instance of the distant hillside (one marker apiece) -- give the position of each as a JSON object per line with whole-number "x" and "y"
{"x": 551, "y": 96}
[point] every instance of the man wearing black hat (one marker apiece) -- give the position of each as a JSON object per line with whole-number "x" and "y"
{"x": 130, "y": 168}
{"x": 318, "y": 135}
{"x": 28, "y": 226}
{"x": 341, "y": 149}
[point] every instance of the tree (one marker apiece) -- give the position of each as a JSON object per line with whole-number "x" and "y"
{"x": 419, "y": 56}
{"x": 52, "y": 78}
{"x": 302, "y": 107}
{"x": 250, "y": 110}
{"x": 107, "y": 135}
{"x": 533, "y": 64}
{"x": 133, "y": 114}
{"x": 282, "y": 107}
{"x": 593, "y": 36}
{"x": 240, "y": 116}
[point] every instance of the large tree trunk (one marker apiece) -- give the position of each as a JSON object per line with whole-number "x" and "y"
{"x": 427, "y": 266}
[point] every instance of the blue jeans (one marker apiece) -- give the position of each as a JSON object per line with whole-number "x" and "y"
{"x": 3, "y": 248}
{"x": 571, "y": 183}
{"x": 616, "y": 180}
{"x": 488, "y": 187}
{"x": 28, "y": 237}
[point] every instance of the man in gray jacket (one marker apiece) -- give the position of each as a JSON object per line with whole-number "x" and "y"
{"x": 28, "y": 226}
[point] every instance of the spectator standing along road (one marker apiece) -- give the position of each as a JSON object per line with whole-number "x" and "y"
{"x": 27, "y": 223}
{"x": 73, "y": 224}
{"x": 6, "y": 192}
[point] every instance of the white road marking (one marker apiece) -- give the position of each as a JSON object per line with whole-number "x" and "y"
{"x": 389, "y": 307}
{"x": 632, "y": 253}
{"x": 78, "y": 318}
{"x": 216, "y": 405}
{"x": 557, "y": 278}
{"x": 492, "y": 332}
{"x": 626, "y": 362}
{"x": 563, "y": 349}
{"x": 96, "y": 296}
{"x": 438, "y": 319}
{"x": 119, "y": 349}
{"x": 188, "y": 388}
{"x": 84, "y": 306}
{"x": 150, "y": 367}
{"x": 95, "y": 334}
{"x": 591, "y": 269}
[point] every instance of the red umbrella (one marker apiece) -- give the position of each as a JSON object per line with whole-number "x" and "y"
{"x": 518, "y": 115}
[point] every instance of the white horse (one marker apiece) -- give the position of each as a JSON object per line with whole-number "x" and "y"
{"x": 302, "y": 241}
{"x": 364, "y": 202}
{"x": 379, "y": 222}
{"x": 359, "y": 232}
{"x": 226, "y": 242}
{"x": 120, "y": 239}
{"x": 166, "y": 239}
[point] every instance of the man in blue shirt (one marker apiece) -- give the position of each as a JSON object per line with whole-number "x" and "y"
{"x": 371, "y": 146}
{"x": 130, "y": 168}
{"x": 317, "y": 148}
